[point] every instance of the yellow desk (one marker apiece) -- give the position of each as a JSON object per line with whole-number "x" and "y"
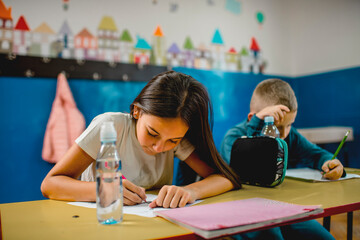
{"x": 49, "y": 219}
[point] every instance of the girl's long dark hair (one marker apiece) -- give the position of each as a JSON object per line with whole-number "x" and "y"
{"x": 172, "y": 94}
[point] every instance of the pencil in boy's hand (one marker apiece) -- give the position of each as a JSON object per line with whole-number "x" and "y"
{"x": 341, "y": 144}
{"x": 337, "y": 150}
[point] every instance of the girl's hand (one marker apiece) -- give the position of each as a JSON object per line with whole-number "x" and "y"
{"x": 277, "y": 111}
{"x": 173, "y": 197}
{"x": 332, "y": 169}
{"x": 133, "y": 194}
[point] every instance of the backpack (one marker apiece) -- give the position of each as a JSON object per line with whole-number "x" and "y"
{"x": 260, "y": 160}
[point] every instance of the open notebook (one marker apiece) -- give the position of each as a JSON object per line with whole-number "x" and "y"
{"x": 313, "y": 175}
{"x": 218, "y": 219}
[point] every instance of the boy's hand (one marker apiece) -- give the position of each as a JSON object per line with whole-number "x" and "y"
{"x": 172, "y": 197}
{"x": 333, "y": 169}
{"x": 277, "y": 111}
{"x": 133, "y": 194}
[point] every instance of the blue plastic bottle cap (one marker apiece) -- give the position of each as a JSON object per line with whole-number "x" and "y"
{"x": 108, "y": 132}
{"x": 269, "y": 119}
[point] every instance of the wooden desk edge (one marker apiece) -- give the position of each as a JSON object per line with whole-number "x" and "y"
{"x": 341, "y": 209}
{"x": 193, "y": 236}
{"x": 327, "y": 212}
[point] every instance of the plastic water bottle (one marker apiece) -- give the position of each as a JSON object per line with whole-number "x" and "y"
{"x": 109, "y": 191}
{"x": 269, "y": 128}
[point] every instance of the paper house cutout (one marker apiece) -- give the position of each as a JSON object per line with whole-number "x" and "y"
{"x": 142, "y": 51}
{"x": 66, "y": 4}
{"x": 202, "y": 57}
{"x": 126, "y": 47}
{"x": 43, "y": 42}
{"x": 85, "y": 45}
{"x": 252, "y": 61}
{"x": 218, "y": 52}
{"x": 66, "y": 38}
{"x": 247, "y": 60}
{"x": 22, "y": 37}
{"x": 217, "y": 39}
{"x": 158, "y": 32}
{"x": 188, "y": 54}
{"x": 232, "y": 60}
{"x": 257, "y": 62}
{"x": 158, "y": 49}
{"x": 108, "y": 23}
{"x": 242, "y": 54}
{"x": 244, "y": 51}
{"x": 108, "y": 40}
{"x": 6, "y": 29}
{"x": 254, "y": 46}
{"x": 174, "y": 56}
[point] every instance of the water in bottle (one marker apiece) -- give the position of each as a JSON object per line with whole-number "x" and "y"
{"x": 109, "y": 195}
{"x": 269, "y": 128}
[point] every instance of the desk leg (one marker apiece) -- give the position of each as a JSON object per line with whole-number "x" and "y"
{"x": 326, "y": 223}
{"x": 349, "y": 225}
{"x": 0, "y": 228}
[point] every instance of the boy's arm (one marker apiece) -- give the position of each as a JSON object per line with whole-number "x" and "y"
{"x": 308, "y": 153}
{"x": 254, "y": 126}
{"x": 276, "y": 111}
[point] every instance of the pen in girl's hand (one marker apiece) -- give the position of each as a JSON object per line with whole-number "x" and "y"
{"x": 138, "y": 193}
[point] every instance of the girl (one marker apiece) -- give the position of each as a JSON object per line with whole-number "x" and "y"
{"x": 169, "y": 118}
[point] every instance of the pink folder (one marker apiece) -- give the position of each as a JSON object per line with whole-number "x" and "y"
{"x": 213, "y": 220}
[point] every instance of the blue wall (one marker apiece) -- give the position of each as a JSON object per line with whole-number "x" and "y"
{"x": 325, "y": 99}
{"x": 25, "y": 106}
{"x": 230, "y": 94}
{"x": 329, "y": 99}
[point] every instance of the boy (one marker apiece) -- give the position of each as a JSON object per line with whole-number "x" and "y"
{"x": 274, "y": 97}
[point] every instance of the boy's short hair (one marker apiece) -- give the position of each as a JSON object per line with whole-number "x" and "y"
{"x": 273, "y": 92}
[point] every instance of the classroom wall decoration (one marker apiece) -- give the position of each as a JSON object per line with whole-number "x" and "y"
{"x": 233, "y": 6}
{"x": 111, "y": 44}
{"x": 66, "y": 4}
{"x": 260, "y": 17}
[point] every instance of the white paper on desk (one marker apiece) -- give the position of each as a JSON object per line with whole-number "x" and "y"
{"x": 142, "y": 209}
{"x": 313, "y": 175}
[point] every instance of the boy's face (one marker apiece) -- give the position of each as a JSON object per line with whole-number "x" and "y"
{"x": 285, "y": 125}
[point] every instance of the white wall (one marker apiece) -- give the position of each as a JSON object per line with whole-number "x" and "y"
{"x": 297, "y": 37}
{"x": 324, "y": 35}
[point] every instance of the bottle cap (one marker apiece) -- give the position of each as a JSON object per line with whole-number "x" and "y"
{"x": 269, "y": 119}
{"x": 108, "y": 132}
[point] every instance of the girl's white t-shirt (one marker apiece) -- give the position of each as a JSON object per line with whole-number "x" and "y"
{"x": 138, "y": 167}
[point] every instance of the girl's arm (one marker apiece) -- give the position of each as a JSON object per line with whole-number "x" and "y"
{"x": 62, "y": 182}
{"x": 211, "y": 185}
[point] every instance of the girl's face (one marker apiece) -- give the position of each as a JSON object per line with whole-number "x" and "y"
{"x": 156, "y": 134}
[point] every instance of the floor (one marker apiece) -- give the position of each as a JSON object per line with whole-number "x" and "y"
{"x": 338, "y": 226}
